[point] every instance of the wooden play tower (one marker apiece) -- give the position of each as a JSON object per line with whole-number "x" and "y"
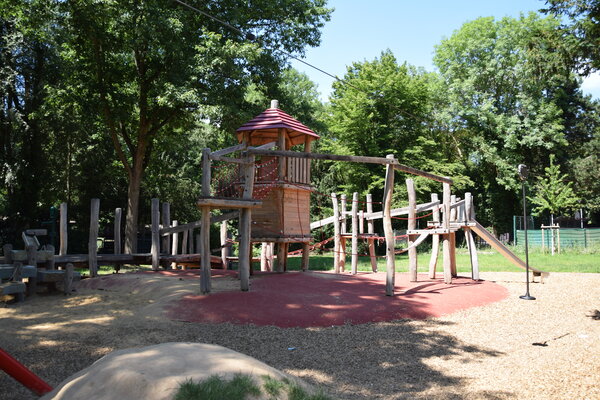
{"x": 284, "y": 216}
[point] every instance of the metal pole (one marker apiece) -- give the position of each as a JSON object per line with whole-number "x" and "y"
{"x": 523, "y": 172}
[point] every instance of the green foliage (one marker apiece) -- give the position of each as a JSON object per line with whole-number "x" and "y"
{"x": 380, "y": 108}
{"x": 584, "y": 29}
{"x": 586, "y": 171}
{"x": 511, "y": 98}
{"x": 552, "y": 193}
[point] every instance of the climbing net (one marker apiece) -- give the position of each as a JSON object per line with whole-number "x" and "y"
{"x": 228, "y": 179}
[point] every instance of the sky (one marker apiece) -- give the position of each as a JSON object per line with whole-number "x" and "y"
{"x": 360, "y": 30}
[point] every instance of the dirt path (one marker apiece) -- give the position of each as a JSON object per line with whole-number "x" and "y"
{"x": 485, "y": 352}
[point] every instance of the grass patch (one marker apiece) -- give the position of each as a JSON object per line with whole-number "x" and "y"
{"x": 242, "y": 387}
{"x": 489, "y": 261}
{"x": 216, "y": 388}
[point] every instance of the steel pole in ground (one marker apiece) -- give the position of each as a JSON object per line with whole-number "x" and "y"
{"x": 523, "y": 172}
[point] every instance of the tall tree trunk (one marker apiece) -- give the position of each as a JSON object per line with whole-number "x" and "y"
{"x": 133, "y": 201}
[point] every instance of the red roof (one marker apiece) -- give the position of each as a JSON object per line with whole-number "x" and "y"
{"x": 272, "y": 119}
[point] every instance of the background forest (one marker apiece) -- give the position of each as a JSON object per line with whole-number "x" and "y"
{"x": 115, "y": 99}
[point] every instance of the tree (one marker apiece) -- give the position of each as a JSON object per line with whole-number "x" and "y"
{"x": 552, "y": 192}
{"x": 586, "y": 171}
{"x": 507, "y": 85}
{"x": 584, "y": 29}
{"x": 28, "y": 64}
{"x": 150, "y": 67}
{"x": 381, "y": 107}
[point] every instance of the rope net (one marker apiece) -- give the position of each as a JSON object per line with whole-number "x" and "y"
{"x": 228, "y": 179}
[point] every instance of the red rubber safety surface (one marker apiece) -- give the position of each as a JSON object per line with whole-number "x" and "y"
{"x": 319, "y": 299}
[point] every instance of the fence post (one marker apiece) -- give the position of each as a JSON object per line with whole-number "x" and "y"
{"x": 63, "y": 229}
{"x": 155, "y": 248}
{"x": 435, "y": 239}
{"x": 166, "y": 222}
{"x": 205, "y": 283}
{"x": 412, "y": 225}
{"x": 354, "y": 233}
{"x": 93, "y": 238}
{"x": 336, "y": 234}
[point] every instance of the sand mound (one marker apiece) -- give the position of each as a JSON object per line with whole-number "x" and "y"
{"x": 155, "y": 372}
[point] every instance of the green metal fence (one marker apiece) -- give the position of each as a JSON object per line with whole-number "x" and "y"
{"x": 569, "y": 237}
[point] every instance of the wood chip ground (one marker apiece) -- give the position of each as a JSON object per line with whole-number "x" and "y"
{"x": 514, "y": 349}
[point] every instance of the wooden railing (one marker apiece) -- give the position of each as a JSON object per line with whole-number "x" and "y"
{"x": 298, "y": 170}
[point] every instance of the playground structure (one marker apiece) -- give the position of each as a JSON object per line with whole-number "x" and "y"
{"x": 271, "y": 199}
{"x": 277, "y": 223}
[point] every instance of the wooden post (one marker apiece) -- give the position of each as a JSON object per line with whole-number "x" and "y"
{"x": 263, "y": 256}
{"x": 68, "y": 279}
{"x": 185, "y": 241}
{"x": 281, "y": 255}
{"x": 387, "y": 227}
{"x": 191, "y": 241}
{"x": 117, "y": 230}
{"x": 198, "y": 239}
{"x": 281, "y": 160}
{"x": 225, "y": 245}
{"x": 343, "y": 213}
{"x": 469, "y": 237}
{"x": 412, "y": 225}
{"x": 31, "y": 255}
{"x": 370, "y": 224}
{"x": 453, "y": 212}
{"x": 205, "y": 283}
{"x": 361, "y": 222}
{"x": 245, "y": 228}
{"x": 7, "y": 251}
{"x": 371, "y": 230}
{"x": 175, "y": 245}
{"x": 93, "y": 238}
{"x": 155, "y": 248}
{"x": 354, "y": 233}
{"x": 336, "y": 234}
{"x": 305, "y": 255}
{"x": 446, "y": 240}
{"x": 166, "y": 222}
{"x": 50, "y": 261}
{"x": 31, "y": 260}
{"x": 270, "y": 255}
{"x": 63, "y": 229}
{"x": 435, "y": 239}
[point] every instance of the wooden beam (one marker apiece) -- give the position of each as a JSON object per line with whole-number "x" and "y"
{"x": 357, "y": 159}
{"x": 402, "y": 211}
{"x": 388, "y": 230}
{"x": 228, "y": 150}
{"x": 243, "y": 161}
{"x": 213, "y": 202}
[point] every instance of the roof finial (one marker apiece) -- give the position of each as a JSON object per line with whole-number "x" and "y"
{"x": 274, "y": 103}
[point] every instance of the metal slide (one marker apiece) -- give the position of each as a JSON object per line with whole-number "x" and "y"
{"x": 502, "y": 249}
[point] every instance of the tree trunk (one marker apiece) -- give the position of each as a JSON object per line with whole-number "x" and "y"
{"x": 133, "y": 202}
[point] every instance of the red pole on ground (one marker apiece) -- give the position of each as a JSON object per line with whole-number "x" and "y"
{"x": 22, "y": 374}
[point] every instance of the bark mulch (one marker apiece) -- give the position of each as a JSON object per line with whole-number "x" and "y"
{"x": 503, "y": 349}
